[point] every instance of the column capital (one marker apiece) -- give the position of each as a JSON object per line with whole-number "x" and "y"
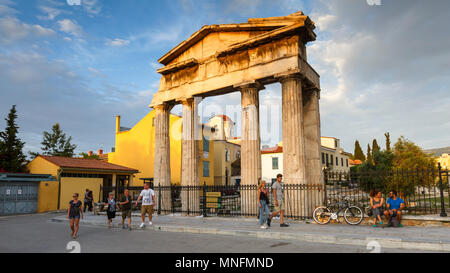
{"x": 164, "y": 107}
{"x": 248, "y": 85}
{"x": 287, "y": 77}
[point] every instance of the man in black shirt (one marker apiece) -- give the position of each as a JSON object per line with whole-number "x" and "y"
{"x": 125, "y": 204}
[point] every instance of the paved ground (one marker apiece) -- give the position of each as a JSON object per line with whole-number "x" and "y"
{"x": 38, "y": 233}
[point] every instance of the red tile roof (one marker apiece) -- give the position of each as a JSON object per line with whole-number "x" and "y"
{"x": 224, "y": 117}
{"x": 355, "y": 162}
{"x": 82, "y": 163}
{"x": 272, "y": 150}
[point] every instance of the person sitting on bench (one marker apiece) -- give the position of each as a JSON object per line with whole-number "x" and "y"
{"x": 394, "y": 207}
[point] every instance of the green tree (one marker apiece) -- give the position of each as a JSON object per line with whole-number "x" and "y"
{"x": 56, "y": 143}
{"x": 87, "y": 156}
{"x": 409, "y": 156}
{"x": 358, "y": 154}
{"x": 388, "y": 141}
{"x": 12, "y": 158}
{"x": 369, "y": 159}
{"x": 375, "y": 146}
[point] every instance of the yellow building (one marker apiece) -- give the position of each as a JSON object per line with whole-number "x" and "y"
{"x": 225, "y": 154}
{"x": 75, "y": 175}
{"x": 444, "y": 159}
{"x": 135, "y": 148}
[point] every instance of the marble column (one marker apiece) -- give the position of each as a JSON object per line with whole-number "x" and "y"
{"x": 162, "y": 155}
{"x": 294, "y": 167}
{"x": 250, "y": 148}
{"x": 314, "y": 179}
{"x": 190, "y": 197}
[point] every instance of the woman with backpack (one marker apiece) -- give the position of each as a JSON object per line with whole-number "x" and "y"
{"x": 112, "y": 207}
{"x": 263, "y": 204}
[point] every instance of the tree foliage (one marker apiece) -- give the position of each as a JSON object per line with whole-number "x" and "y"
{"x": 388, "y": 141}
{"x": 12, "y": 158}
{"x": 358, "y": 154}
{"x": 56, "y": 143}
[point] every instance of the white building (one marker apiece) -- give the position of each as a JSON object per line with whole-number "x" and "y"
{"x": 333, "y": 157}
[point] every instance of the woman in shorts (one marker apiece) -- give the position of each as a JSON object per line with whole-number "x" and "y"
{"x": 112, "y": 208}
{"x": 74, "y": 212}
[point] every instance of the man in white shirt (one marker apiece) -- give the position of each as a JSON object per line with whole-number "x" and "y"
{"x": 148, "y": 199}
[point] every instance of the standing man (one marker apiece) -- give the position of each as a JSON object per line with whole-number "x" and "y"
{"x": 86, "y": 200}
{"x": 394, "y": 207}
{"x": 278, "y": 198}
{"x": 148, "y": 199}
{"x": 125, "y": 204}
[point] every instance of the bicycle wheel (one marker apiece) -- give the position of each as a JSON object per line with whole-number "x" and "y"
{"x": 353, "y": 215}
{"x": 322, "y": 215}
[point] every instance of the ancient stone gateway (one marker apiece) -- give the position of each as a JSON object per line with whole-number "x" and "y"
{"x": 220, "y": 59}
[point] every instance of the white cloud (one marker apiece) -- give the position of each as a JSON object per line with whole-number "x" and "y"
{"x": 70, "y": 27}
{"x": 5, "y": 7}
{"x": 92, "y": 7}
{"x": 117, "y": 42}
{"x": 12, "y": 30}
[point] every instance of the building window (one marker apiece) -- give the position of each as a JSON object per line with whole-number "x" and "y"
{"x": 342, "y": 162}
{"x": 337, "y": 161}
{"x": 274, "y": 163}
{"x": 323, "y": 158}
{"x": 205, "y": 144}
{"x": 326, "y": 155}
{"x": 227, "y": 155}
{"x": 205, "y": 168}
{"x": 331, "y": 161}
{"x": 347, "y": 162}
{"x": 238, "y": 154}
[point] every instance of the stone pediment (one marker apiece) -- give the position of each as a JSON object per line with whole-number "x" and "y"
{"x": 211, "y": 39}
{"x": 218, "y": 58}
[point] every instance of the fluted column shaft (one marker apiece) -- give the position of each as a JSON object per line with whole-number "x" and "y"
{"x": 294, "y": 167}
{"x": 190, "y": 197}
{"x": 250, "y": 147}
{"x": 162, "y": 155}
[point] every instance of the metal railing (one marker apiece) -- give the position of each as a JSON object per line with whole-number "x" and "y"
{"x": 425, "y": 191}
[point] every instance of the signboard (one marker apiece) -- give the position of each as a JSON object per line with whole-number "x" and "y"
{"x": 213, "y": 205}
{"x": 213, "y": 200}
{"x": 213, "y": 194}
{"x": 8, "y": 192}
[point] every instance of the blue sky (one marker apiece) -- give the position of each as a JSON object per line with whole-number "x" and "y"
{"x": 383, "y": 68}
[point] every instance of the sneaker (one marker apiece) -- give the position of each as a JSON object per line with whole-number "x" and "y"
{"x": 400, "y": 225}
{"x": 150, "y": 223}
{"x": 284, "y": 225}
{"x": 142, "y": 225}
{"x": 374, "y": 225}
{"x": 123, "y": 227}
{"x": 381, "y": 223}
{"x": 268, "y": 221}
{"x": 263, "y": 227}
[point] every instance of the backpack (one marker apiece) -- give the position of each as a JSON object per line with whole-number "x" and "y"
{"x": 393, "y": 221}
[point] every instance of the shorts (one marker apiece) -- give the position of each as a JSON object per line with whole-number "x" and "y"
{"x": 147, "y": 209}
{"x": 74, "y": 217}
{"x": 111, "y": 214}
{"x": 126, "y": 213}
{"x": 280, "y": 206}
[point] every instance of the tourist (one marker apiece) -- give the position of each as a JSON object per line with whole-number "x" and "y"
{"x": 278, "y": 197}
{"x": 376, "y": 203}
{"x": 125, "y": 204}
{"x": 74, "y": 212}
{"x": 148, "y": 199}
{"x": 91, "y": 201}
{"x": 394, "y": 207}
{"x": 86, "y": 200}
{"x": 263, "y": 204}
{"x": 112, "y": 208}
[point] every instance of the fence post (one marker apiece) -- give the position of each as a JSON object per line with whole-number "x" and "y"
{"x": 204, "y": 199}
{"x": 443, "y": 213}
{"x": 159, "y": 199}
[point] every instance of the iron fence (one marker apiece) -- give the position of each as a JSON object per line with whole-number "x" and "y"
{"x": 425, "y": 191}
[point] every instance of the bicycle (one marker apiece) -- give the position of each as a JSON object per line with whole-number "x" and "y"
{"x": 353, "y": 215}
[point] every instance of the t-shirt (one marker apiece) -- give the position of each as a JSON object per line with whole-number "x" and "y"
{"x": 279, "y": 187}
{"x": 147, "y": 197}
{"x": 395, "y": 204}
{"x": 112, "y": 205}
{"x": 74, "y": 208}
{"x": 126, "y": 206}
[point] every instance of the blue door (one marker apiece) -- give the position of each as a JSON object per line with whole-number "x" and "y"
{"x": 18, "y": 198}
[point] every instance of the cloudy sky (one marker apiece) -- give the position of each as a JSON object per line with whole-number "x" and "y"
{"x": 383, "y": 67}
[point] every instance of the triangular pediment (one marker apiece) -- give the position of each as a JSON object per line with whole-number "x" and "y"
{"x": 211, "y": 39}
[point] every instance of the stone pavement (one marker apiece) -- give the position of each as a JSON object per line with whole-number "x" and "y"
{"x": 413, "y": 238}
